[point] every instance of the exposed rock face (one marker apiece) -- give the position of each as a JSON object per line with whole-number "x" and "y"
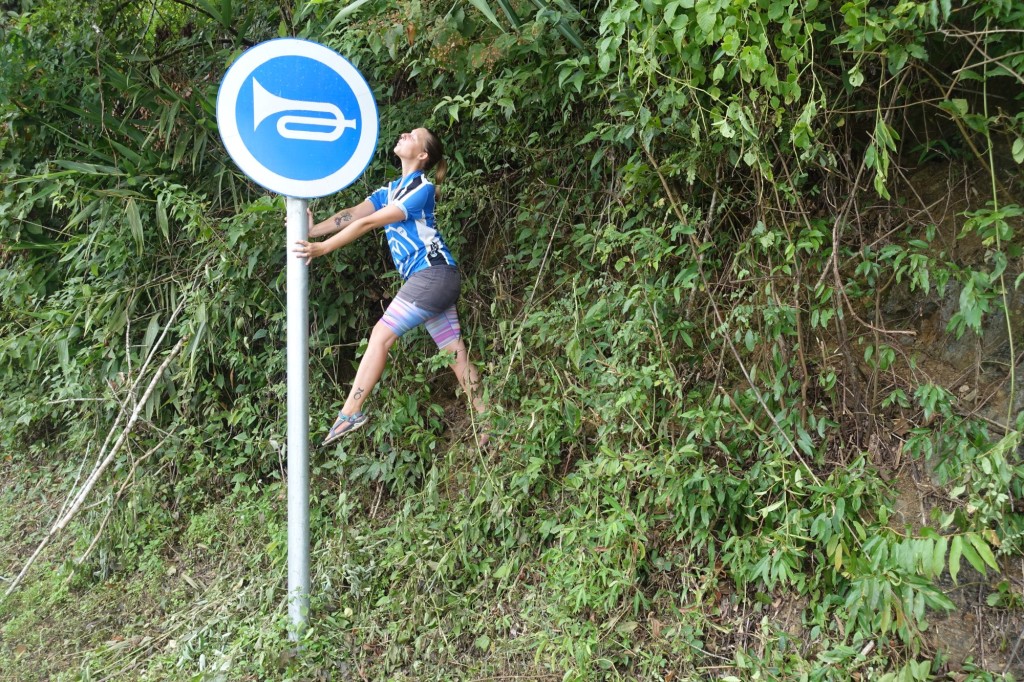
{"x": 976, "y": 370}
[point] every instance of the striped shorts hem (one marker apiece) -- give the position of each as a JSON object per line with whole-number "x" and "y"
{"x": 428, "y": 297}
{"x": 402, "y": 316}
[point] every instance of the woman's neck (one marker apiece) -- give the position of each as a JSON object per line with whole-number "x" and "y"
{"x": 409, "y": 167}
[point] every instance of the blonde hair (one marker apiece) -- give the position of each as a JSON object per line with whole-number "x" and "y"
{"x": 435, "y": 156}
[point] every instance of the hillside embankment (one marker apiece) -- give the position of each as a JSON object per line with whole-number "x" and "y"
{"x": 743, "y": 280}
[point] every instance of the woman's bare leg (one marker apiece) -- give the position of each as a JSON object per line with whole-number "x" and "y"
{"x": 468, "y": 378}
{"x": 466, "y": 373}
{"x": 370, "y": 367}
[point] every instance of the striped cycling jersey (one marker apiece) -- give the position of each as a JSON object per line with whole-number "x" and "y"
{"x": 415, "y": 242}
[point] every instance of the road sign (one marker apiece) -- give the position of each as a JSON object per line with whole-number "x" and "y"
{"x": 297, "y": 118}
{"x": 300, "y": 120}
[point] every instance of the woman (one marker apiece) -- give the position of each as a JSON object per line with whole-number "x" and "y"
{"x": 405, "y": 209}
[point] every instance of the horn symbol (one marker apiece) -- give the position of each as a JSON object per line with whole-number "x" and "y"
{"x": 266, "y": 104}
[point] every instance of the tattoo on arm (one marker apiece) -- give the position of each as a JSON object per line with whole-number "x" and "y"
{"x": 345, "y": 217}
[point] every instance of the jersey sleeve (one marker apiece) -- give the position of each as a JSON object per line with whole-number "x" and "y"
{"x": 416, "y": 202}
{"x": 379, "y": 199}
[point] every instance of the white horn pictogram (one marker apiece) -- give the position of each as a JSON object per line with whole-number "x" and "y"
{"x": 267, "y": 104}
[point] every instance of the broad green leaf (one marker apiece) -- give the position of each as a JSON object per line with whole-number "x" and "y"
{"x": 955, "y": 550}
{"x": 939, "y": 556}
{"x": 772, "y": 507}
{"x": 510, "y": 12}
{"x": 344, "y": 12}
{"x": 152, "y": 329}
{"x": 972, "y": 556}
{"x": 161, "y": 218}
{"x": 504, "y": 570}
{"x": 486, "y": 10}
{"x": 91, "y": 168}
{"x": 63, "y": 352}
{"x": 984, "y": 551}
{"x": 135, "y": 225}
{"x": 706, "y": 19}
{"x": 957, "y": 106}
{"x": 856, "y": 77}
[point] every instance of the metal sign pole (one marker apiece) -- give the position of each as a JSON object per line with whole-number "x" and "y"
{"x": 297, "y": 156}
{"x": 298, "y": 420}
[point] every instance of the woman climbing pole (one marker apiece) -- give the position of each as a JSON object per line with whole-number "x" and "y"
{"x": 431, "y": 280}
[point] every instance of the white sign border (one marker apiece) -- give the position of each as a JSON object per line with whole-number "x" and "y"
{"x": 227, "y": 100}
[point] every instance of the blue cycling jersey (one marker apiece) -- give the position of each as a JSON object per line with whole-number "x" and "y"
{"x": 415, "y": 242}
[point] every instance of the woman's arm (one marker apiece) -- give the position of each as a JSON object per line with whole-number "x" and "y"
{"x": 341, "y": 219}
{"x": 348, "y": 234}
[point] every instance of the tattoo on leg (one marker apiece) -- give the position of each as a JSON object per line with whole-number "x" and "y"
{"x": 358, "y": 394}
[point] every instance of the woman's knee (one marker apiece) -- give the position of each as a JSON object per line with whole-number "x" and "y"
{"x": 457, "y": 348}
{"x": 382, "y": 337}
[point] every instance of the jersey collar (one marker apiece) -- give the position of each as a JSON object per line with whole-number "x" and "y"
{"x": 403, "y": 181}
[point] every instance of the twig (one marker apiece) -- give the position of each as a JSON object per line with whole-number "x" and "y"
{"x": 100, "y": 468}
{"x": 540, "y": 273}
{"x": 725, "y": 337}
{"x": 1013, "y": 654}
{"x": 61, "y": 401}
{"x": 78, "y": 477}
{"x": 81, "y": 560}
{"x": 121, "y": 413}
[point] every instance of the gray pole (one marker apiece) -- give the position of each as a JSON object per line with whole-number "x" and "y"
{"x": 298, "y": 420}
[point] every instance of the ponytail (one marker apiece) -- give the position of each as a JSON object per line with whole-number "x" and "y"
{"x": 439, "y": 171}
{"x": 435, "y": 156}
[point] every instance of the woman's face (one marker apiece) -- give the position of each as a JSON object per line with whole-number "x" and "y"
{"x": 410, "y": 145}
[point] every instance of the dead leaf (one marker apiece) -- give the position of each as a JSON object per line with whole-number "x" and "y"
{"x": 992, "y": 538}
{"x": 901, "y": 426}
{"x": 655, "y": 628}
{"x": 286, "y": 656}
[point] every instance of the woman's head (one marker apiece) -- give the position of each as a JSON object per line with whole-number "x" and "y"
{"x": 424, "y": 148}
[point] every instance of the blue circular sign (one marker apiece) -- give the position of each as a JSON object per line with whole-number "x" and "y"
{"x": 297, "y": 118}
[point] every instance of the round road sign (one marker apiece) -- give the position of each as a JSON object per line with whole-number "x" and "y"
{"x": 297, "y": 118}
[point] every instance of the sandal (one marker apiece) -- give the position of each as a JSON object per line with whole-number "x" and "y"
{"x": 344, "y": 425}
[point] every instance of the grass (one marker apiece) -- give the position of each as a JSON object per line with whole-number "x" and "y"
{"x": 69, "y": 623}
{"x": 407, "y": 586}
{"x": 206, "y": 600}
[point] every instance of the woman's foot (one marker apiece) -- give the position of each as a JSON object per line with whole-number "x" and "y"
{"x": 343, "y": 425}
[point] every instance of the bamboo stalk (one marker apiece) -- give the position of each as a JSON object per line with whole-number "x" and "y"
{"x": 98, "y": 470}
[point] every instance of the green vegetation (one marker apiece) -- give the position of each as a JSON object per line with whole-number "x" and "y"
{"x": 743, "y": 278}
